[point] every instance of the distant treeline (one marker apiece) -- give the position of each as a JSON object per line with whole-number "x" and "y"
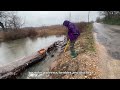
{"x": 109, "y": 17}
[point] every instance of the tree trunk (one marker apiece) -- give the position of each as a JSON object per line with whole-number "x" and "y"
{"x": 1, "y": 24}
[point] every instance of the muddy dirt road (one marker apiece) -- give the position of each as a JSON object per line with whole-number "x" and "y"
{"x": 107, "y": 39}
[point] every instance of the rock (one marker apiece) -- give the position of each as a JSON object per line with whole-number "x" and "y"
{"x": 85, "y": 76}
{"x": 52, "y": 55}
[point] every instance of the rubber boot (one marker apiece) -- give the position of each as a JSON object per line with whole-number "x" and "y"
{"x": 73, "y": 54}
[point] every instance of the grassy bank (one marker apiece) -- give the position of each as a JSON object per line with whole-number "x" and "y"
{"x": 36, "y": 32}
{"x": 112, "y": 21}
{"x": 85, "y": 63}
{"x": 32, "y": 32}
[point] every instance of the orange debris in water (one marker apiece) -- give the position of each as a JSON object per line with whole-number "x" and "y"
{"x": 42, "y": 51}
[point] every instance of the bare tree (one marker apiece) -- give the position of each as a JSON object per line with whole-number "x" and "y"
{"x": 11, "y": 20}
{"x": 111, "y": 17}
{"x": 110, "y": 14}
{"x": 98, "y": 19}
{"x": 1, "y": 18}
{"x": 14, "y": 21}
{"x": 1, "y": 24}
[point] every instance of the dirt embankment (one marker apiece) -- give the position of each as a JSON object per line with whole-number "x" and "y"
{"x": 86, "y": 63}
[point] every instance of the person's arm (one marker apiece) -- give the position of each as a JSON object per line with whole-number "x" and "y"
{"x": 73, "y": 30}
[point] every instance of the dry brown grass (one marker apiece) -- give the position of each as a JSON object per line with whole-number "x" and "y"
{"x": 86, "y": 61}
{"x": 56, "y": 30}
{"x": 37, "y": 32}
{"x": 82, "y": 26}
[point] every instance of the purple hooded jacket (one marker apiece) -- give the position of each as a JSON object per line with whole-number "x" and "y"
{"x": 73, "y": 31}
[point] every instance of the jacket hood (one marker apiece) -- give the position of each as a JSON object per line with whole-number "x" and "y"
{"x": 66, "y": 23}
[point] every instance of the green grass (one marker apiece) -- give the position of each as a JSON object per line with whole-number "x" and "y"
{"x": 112, "y": 21}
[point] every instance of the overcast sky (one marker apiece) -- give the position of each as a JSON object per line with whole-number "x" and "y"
{"x": 40, "y": 18}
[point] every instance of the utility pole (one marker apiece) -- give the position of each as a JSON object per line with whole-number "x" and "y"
{"x": 70, "y": 16}
{"x": 88, "y": 16}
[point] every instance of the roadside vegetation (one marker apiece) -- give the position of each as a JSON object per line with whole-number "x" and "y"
{"x": 85, "y": 63}
{"x": 109, "y": 17}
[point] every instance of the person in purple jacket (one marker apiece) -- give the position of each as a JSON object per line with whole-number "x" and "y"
{"x": 73, "y": 33}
